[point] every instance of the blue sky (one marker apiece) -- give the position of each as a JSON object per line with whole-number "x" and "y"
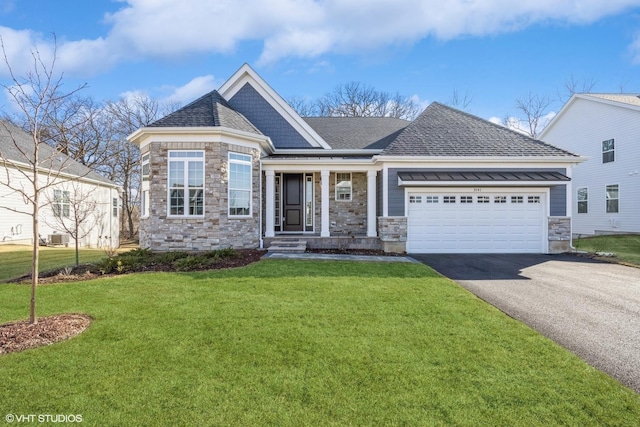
{"x": 496, "y": 50}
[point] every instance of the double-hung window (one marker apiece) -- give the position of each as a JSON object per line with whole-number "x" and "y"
{"x": 61, "y": 204}
{"x": 583, "y": 200}
{"x": 186, "y": 183}
{"x": 343, "y": 186}
{"x": 240, "y": 179}
{"x": 613, "y": 198}
{"x": 608, "y": 151}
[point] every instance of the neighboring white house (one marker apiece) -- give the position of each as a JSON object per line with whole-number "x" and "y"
{"x": 606, "y": 188}
{"x": 70, "y": 185}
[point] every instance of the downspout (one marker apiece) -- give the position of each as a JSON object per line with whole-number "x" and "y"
{"x": 260, "y": 210}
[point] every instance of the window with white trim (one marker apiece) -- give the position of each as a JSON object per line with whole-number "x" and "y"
{"x": 583, "y": 200}
{"x": 186, "y": 183}
{"x": 613, "y": 198}
{"x": 145, "y": 167}
{"x": 114, "y": 206}
{"x": 608, "y": 151}
{"x": 240, "y": 180}
{"x": 61, "y": 204}
{"x": 343, "y": 186}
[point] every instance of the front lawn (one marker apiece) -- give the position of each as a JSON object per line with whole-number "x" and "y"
{"x": 298, "y": 343}
{"x": 625, "y": 247}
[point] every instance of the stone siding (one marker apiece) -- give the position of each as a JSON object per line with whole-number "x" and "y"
{"x": 348, "y": 218}
{"x": 392, "y": 231}
{"x": 215, "y": 230}
{"x": 559, "y": 234}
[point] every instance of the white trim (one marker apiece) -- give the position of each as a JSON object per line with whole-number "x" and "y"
{"x": 244, "y": 163}
{"x": 270, "y": 191}
{"x": 323, "y": 152}
{"x": 324, "y": 206}
{"x": 471, "y": 184}
{"x": 605, "y": 199}
{"x": 385, "y": 191}
{"x": 335, "y": 195}
{"x": 246, "y": 74}
{"x": 586, "y": 187}
{"x": 371, "y": 204}
{"x": 485, "y": 161}
{"x": 186, "y": 180}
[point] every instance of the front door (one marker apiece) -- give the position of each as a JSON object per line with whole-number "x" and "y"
{"x": 293, "y": 202}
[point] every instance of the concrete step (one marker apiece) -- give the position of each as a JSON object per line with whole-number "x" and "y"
{"x": 287, "y": 245}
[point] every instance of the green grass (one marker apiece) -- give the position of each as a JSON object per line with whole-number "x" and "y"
{"x": 299, "y": 343}
{"x": 625, "y": 247}
{"x": 16, "y": 261}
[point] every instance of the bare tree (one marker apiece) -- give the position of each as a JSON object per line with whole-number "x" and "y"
{"x": 534, "y": 108}
{"x": 356, "y": 99}
{"x": 572, "y": 86}
{"x": 75, "y": 211}
{"x": 304, "y": 107}
{"x": 36, "y": 168}
{"x": 126, "y": 116}
{"x": 460, "y": 100}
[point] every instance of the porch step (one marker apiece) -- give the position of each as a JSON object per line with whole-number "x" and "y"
{"x": 287, "y": 245}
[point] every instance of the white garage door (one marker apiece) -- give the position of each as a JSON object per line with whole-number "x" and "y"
{"x": 490, "y": 222}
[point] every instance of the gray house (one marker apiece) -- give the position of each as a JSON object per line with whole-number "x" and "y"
{"x": 240, "y": 168}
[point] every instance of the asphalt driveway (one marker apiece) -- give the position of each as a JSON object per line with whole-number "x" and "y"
{"x": 591, "y": 308}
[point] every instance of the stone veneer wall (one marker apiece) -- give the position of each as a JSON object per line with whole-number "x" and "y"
{"x": 213, "y": 231}
{"x": 392, "y": 231}
{"x": 348, "y": 218}
{"x": 559, "y": 234}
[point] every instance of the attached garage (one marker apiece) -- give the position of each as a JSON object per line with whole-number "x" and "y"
{"x": 480, "y": 220}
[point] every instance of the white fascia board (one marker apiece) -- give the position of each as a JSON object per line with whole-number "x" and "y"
{"x": 485, "y": 162}
{"x": 310, "y": 165}
{"x": 402, "y": 183}
{"x": 142, "y": 137}
{"x": 246, "y": 74}
{"x": 333, "y": 152}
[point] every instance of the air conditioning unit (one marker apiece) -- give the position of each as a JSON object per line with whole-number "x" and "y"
{"x": 59, "y": 239}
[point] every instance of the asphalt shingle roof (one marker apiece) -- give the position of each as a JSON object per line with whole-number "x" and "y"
{"x": 444, "y": 131}
{"x": 357, "y": 132}
{"x": 633, "y": 99}
{"x": 17, "y": 146}
{"x": 209, "y": 110}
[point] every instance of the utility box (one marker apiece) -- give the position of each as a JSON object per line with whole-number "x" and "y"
{"x": 59, "y": 239}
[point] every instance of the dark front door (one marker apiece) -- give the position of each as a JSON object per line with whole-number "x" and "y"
{"x": 293, "y": 202}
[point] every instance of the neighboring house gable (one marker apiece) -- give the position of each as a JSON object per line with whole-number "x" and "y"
{"x": 66, "y": 181}
{"x": 606, "y": 188}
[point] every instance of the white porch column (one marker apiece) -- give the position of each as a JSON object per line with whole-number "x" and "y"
{"x": 270, "y": 203}
{"x": 371, "y": 203}
{"x": 385, "y": 191}
{"x": 324, "y": 212}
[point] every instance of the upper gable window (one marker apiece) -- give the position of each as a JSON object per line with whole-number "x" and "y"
{"x": 240, "y": 179}
{"x": 608, "y": 151}
{"x": 186, "y": 183}
{"x": 343, "y": 186}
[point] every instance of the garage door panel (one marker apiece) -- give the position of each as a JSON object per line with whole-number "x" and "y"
{"x": 505, "y": 224}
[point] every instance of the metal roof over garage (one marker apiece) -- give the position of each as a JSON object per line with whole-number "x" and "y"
{"x": 501, "y": 177}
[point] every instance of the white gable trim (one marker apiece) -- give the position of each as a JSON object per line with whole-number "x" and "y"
{"x": 586, "y": 97}
{"x": 246, "y": 74}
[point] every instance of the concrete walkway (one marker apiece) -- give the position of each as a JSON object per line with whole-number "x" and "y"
{"x": 338, "y": 257}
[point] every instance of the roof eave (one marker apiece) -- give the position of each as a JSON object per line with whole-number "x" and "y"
{"x": 482, "y": 159}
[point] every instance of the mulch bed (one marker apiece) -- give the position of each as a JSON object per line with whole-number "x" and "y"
{"x": 19, "y": 336}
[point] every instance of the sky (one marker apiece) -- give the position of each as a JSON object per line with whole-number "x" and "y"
{"x": 495, "y": 51}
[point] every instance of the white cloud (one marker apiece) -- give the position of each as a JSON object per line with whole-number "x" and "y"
{"x": 192, "y": 90}
{"x": 299, "y": 28}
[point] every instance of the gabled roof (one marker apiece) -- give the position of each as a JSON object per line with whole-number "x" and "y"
{"x": 442, "y": 131}
{"x": 207, "y": 111}
{"x": 17, "y": 146}
{"x": 621, "y": 100}
{"x": 357, "y": 132}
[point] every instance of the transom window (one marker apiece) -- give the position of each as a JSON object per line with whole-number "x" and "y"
{"x": 343, "y": 186}
{"x": 608, "y": 151}
{"x": 61, "y": 204}
{"x": 583, "y": 200}
{"x": 613, "y": 198}
{"x": 240, "y": 179}
{"x": 186, "y": 183}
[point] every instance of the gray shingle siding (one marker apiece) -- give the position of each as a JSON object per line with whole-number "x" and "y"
{"x": 557, "y": 194}
{"x": 263, "y": 116}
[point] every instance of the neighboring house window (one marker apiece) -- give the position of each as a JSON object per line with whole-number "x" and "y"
{"x": 61, "y": 204}
{"x": 240, "y": 180}
{"x": 115, "y": 207}
{"x": 613, "y": 199}
{"x": 608, "y": 151}
{"x": 583, "y": 200}
{"x": 145, "y": 167}
{"x": 186, "y": 183}
{"x": 343, "y": 186}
